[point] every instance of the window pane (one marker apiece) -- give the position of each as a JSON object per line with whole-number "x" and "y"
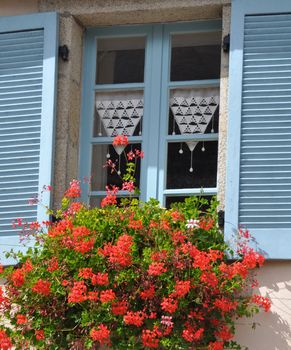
{"x": 120, "y": 60}
{"x": 193, "y": 111}
{"x": 202, "y": 161}
{"x": 118, "y": 113}
{"x": 102, "y": 175}
{"x": 195, "y": 56}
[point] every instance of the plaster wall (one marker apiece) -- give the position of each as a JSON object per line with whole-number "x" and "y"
{"x": 17, "y": 7}
{"x": 274, "y": 331}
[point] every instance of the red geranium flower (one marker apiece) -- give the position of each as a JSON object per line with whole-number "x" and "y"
{"x": 101, "y": 334}
{"x": 39, "y": 334}
{"x": 42, "y": 287}
{"x": 120, "y": 140}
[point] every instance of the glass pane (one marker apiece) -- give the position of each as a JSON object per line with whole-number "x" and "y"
{"x": 178, "y": 199}
{"x": 192, "y": 164}
{"x": 195, "y": 56}
{"x": 193, "y": 111}
{"x": 120, "y": 60}
{"x": 118, "y": 113}
{"x": 103, "y": 175}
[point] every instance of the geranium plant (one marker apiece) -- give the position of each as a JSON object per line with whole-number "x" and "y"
{"x": 128, "y": 276}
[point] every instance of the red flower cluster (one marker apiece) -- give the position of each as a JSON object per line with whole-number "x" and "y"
{"x": 61, "y": 228}
{"x": 217, "y": 345}
{"x": 100, "y": 279}
{"x": 119, "y": 308}
{"x": 74, "y": 208}
{"x": 39, "y": 334}
{"x": 206, "y": 223}
{"x": 120, "y": 253}
{"x": 93, "y": 296}
{"x": 78, "y": 293}
{"x": 178, "y": 237}
{"x": 201, "y": 261}
{"x": 4, "y": 301}
{"x": 74, "y": 191}
{"x": 128, "y": 186}
{"x": 150, "y": 338}
{"x": 177, "y": 216}
{"x": 101, "y": 334}
{"x": 86, "y": 273}
{"x": 21, "y": 319}
{"x": 224, "y": 333}
{"x": 17, "y": 278}
{"x": 237, "y": 268}
{"x": 80, "y": 240}
{"x": 5, "y": 341}
{"x": 262, "y": 301}
{"x": 253, "y": 259}
{"x": 42, "y": 287}
{"x": 135, "y": 154}
{"x": 225, "y": 305}
{"x": 107, "y": 296}
{"x": 120, "y": 140}
{"x": 134, "y": 318}
{"x": 169, "y": 304}
{"x": 53, "y": 264}
{"x": 18, "y": 275}
{"x": 110, "y": 198}
{"x": 191, "y": 334}
{"x": 156, "y": 269}
{"x": 159, "y": 256}
{"x": 135, "y": 224}
{"x": 182, "y": 288}
{"x": 148, "y": 293}
{"x": 209, "y": 278}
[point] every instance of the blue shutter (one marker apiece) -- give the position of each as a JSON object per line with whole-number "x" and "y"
{"x": 28, "y": 52}
{"x": 258, "y": 193}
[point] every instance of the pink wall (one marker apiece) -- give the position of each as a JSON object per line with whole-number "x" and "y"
{"x": 274, "y": 329}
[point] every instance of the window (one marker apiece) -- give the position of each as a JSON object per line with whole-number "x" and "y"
{"x": 159, "y": 85}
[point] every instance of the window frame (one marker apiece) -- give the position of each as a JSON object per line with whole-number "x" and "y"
{"x": 156, "y": 87}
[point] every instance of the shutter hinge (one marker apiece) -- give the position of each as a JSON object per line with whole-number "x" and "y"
{"x": 221, "y": 218}
{"x": 226, "y": 43}
{"x": 64, "y": 52}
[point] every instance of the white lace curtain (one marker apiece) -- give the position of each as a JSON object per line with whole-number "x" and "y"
{"x": 193, "y": 110}
{"x": 120, "y": 112}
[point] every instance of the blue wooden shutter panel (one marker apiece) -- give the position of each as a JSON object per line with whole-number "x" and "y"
{"x": 28, "y": 47}
{"x": 259, "y": 176}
